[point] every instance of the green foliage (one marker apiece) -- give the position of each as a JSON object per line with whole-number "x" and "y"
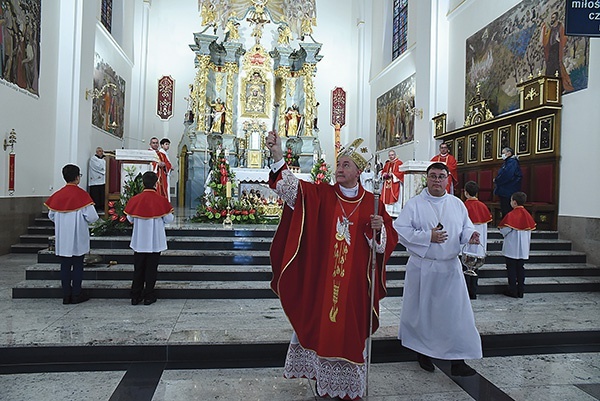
{"x": 320, "y": 172}
{"x": 115, "y": 222}
{"x": 213, "y": 206}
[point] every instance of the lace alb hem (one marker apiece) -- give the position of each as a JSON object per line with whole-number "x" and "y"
{"x": 335, "y": 377}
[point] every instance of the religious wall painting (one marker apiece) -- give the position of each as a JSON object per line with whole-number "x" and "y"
{"x": 256, "y": 95}
{"x": 395, "y": 119}
{"x": 20, "y": 23}
{"x": 516, "y": 46}
{"x": 108, "y": 101}
{"x": 487, "y": 145}
{"x": 523, "y": 132}
{"x": 545, "y": 134}
{"x": 503, "y": 140}
{"x": 460, "y": 151}
{"x": 472, "y": 151}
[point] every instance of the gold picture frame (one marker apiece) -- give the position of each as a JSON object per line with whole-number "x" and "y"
{"x": 487, "y": 145}
{"x": 504, "y": 139}
{"x": 473, "y": 150}
{"x": 523, "y": 138}
{"x": 459, "y": 153}
{"x": 544, "y": 142}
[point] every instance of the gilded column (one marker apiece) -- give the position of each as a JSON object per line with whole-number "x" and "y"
{"x": 309, "y": 92}
{"x": 232, "y": 70}
{"x": 199, "y": 93}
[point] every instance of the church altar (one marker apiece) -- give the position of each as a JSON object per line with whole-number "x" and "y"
{"x": 242, "y": 90}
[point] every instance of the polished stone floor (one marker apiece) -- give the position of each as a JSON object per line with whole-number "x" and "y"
{"x": 559, "y": 372}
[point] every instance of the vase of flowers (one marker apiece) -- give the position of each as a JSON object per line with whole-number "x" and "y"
{"x": 320, "y": 172}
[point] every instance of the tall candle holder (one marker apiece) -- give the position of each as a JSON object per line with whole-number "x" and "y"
{"x": 228, "y": 223}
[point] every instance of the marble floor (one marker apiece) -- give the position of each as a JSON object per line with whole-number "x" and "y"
{"x": 29, "y": 328}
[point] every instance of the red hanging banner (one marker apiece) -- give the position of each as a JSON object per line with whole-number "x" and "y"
{"x": 166, "y": 87}
{"x": 338, "y": 107}
{"x": 11, "y": 173}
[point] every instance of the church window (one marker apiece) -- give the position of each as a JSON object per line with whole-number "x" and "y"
{"x": 400, "y": 28}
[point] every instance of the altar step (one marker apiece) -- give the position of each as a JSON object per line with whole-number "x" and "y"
{"x": 235, "y": 281}
{"x": 251, "y": 257}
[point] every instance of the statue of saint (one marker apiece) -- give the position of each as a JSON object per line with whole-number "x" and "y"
{"x": 218, "y": 116}
{"x": 292, "y": 121}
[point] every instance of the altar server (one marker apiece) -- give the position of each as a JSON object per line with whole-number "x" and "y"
{"x": 516, "y": 228}
{"x": 437, "y": 320}
{"x": 149, "y": 212}
{"x": 71, "y": 210}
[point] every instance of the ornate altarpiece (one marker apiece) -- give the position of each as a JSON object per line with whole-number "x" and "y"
{"x": 241, "y": 90}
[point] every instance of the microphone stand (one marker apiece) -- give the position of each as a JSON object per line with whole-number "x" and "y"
{"x": 373, "y": 266}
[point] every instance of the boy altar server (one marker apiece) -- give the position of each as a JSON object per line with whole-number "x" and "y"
{"x": 480, "y": 216}
{"x": 149, "y": 212}
{"x": 71, "y": 210}
{"x": 516, "y": 228}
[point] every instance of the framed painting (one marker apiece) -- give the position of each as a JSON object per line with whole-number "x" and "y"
{"x": 545, "y": 134}
{"x": 473, "y": 151}
{"x": 503, "y": 140}
{"x": 108, "y": 103}
{"x": 395, "y": 119}
{"x": 487, "y": 145}
{"x": 460, "y": 151}
{"x": 523, "y": 130}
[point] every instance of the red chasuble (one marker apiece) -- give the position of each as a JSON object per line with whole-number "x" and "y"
{"x": 518, "y": 219}
{"x": 324, "y": 283}
{"x": 478, "y": 211}
{"x": 450, "y": 162}
{"x": 162, "y": 186}
{"x": 148, "y": 205}
{"x": 69, "y": 199}
{"x": 391, "y": 190}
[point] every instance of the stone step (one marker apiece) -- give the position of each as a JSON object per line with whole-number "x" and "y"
{"x": 245, "y": 257}
{"x": 43, "y": 271}
{"x": 264, "y": 243}
{"x": 260, "y": 289}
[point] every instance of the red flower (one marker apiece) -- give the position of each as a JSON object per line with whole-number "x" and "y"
{"x": 245, "y": 212}
{"x": 223, "y": 213}
{"x": 122, "y": 219}
{"x": 114, "y": 217}
{"x": 111, "y": 204}
{"x": 111, "y": 211}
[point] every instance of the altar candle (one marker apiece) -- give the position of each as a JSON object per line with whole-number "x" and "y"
{"x": 228, "y": 189}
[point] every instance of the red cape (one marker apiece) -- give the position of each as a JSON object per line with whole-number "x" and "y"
{"x": 478, "y": 211}
{"x": 148, "y": 205}
{"x": 68, "y": 199}
{"x": 304, "y": 256}
{"x": 518, "y": 219}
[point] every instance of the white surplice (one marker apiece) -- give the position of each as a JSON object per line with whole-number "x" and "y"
{"x": 72, "y": 231}
{"x": 437, "y": 319}
{"x": 149, "y": 234}
{"x": 516, "y": 243}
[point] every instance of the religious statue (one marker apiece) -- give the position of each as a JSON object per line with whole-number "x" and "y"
{"x": 285, "y": 35}
{"x": 292, "y": 121}
{"x": 232, "y": 33}
{"x": 255, "y": 94}
{"x": 218, "y": 116}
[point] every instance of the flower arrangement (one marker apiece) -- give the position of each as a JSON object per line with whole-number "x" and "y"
{"x": 116, "y": 221}
{"x": 320, "y": 172}
{"x": 213, "y": 206}
{"x": 290, "y": 158}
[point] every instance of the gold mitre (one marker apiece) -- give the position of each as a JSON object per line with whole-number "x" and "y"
{"x": 359, "y": 154}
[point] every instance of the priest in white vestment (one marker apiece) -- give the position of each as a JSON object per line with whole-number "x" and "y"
{"x": 437, "y": 320}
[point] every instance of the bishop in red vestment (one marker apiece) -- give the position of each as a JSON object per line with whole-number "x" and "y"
{"x": 321, "y": 258}
{"x": 450, "y": 161}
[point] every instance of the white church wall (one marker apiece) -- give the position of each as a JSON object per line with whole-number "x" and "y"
{"x": 578, "y": 146}
{"x": 33, "y": 119}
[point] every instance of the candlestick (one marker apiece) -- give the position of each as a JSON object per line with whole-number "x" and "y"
{"x": 228, "y": 189}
